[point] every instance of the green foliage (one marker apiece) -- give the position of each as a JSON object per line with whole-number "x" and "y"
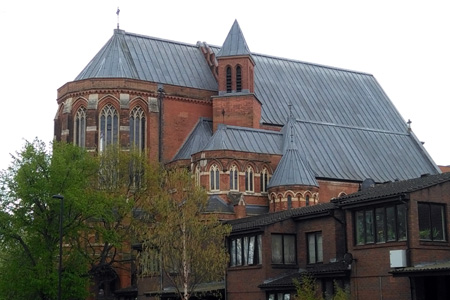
{"x": 306, "y": 288}
{"x": 190, "y": 242}
{"x": 340, "y": 293}
{"x": 29, "y": 225}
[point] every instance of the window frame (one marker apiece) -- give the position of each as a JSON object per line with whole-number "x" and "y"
{"x": 239, "y": 248}
{"x": 238, "y": 79}
{"x": 234, "y": 178}
{"x": 432, "y": 221}
{"x": 79, "y": 126}
{"x": 285, "y": 245}
{"x": 214, "y": 178}
{"x": 228, "y": 80}
{"x": 138, "y": 128}
{"x": 264, "y": 180}
{"x": 249, "y": 180}
{"x": 370, "y": 230}
{"x": 109, "y": 129}
{"x": 317, "y": 247}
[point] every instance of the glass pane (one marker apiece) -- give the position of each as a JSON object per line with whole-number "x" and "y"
{"x": 238, "y": 252}
{"x": 259, "y": 249}
{"x": 216, "y": 183}
{"x": 233, "y": 253}
{"x": 391, "y": 228}
{"x": 142, "y": 139}
{"x": 401, "y": 222}
{"x": 271, "y": 297}
{"x": 277, "y": 249}
{"x": 359, "y": 228}
{"x": 245, "y": 262}
{"x": 379, "y": 219}
{"x": 319, "y": 247}
{"x": 287, "y": 296}
{"x": 312, "y": 249}
{"x": 251, "y": 250}
{"x": 369, "y": 226}
{"x": 424, "y": 221}
{"x": 289, "y": 249}
{"x": 132, "y": 130}
{"x": 115, "y": 129}
{"x": 437, "y": 219}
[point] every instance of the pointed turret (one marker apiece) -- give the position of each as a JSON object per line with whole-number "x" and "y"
{"x": 235, "y": 68}
{"x": 293, "y": 184}
{"x": 235, "y": 44}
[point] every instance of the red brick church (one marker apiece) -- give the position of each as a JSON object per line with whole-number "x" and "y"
{"x": 260, "y": 133}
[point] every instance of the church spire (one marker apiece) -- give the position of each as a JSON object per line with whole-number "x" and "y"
{"x": 117, "y": 13}
{"x": 235, "y": 44}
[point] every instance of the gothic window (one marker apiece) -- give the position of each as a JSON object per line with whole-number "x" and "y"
{"x": 109, "y": 127}
{"x": 238, "y": 79}
{"x": 307, "y": 200}
{"x": 214, "y": 178}
{"x": 249, "y": 179}
{"x": 234, "y": 178}
{"x": 264, "y": 180}
{"x": 228, "y": 79}
{"x": 80, "y": 127}
{"x": 137, "y": 128}
{"x": 289, "y": 201}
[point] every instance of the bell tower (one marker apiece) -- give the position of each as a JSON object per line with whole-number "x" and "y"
{"x": 236, "y": 103}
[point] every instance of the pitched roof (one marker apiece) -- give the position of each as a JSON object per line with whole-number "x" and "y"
{"x": 255, "y": 222}
{"x": 393, "y": 189}
{"x": 197, "y": 140}
{"x": 347, "y": 127}
{"x": 235, "y": 43}
{"x": 129, "y": 55}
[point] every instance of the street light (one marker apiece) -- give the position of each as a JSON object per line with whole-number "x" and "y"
{"x": 61, "y": 210}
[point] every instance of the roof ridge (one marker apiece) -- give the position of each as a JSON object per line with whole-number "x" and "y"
{"x": 352, "y": 127}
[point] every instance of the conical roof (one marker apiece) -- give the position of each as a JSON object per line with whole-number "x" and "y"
{"x": 235, "y": 43}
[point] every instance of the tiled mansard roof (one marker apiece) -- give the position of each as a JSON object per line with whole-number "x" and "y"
{"x": 345, "y": 125}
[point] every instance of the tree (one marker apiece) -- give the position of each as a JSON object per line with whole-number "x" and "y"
{"x": 190, "y": 242}
{"x": 306, "y": 288}
{"x": 29, "y": 221}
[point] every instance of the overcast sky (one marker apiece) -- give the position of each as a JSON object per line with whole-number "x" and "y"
{"x": 404, "y": 44}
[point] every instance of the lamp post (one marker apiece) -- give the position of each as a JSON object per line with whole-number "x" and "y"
{"x": 61, "y": 210}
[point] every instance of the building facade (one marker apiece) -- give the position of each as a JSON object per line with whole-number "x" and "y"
{"x": 261, "y": 133}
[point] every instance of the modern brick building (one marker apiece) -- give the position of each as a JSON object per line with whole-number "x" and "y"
{"x": 260, "y": 133}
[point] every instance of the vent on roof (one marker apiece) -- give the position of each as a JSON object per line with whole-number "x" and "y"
{"x": 367, "y": 183}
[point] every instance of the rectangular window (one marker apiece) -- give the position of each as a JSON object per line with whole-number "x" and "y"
{"x": 283, "y": 249}
{"x": 431, "y": 222}
{"x": 315, "y": 248}
{"x": 246, "y": 251}
{"x": 380, "y": 225}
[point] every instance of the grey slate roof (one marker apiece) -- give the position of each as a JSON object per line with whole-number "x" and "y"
{"x": 347, "y": 127}
{"x": 128, "y": 55}
{"x": 392, "y": 189}
{"x": 197, "y": 140}
{"x": 235, "y": 43}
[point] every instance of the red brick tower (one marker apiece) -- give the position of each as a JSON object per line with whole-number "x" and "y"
{"x": 236, "y": 103}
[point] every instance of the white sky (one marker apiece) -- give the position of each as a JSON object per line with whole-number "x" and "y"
{"x": 404, "y": 44}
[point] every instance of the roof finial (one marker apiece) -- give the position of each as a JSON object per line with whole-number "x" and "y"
{"x": 117, "y": 13}
{"x": 409, "y": 124}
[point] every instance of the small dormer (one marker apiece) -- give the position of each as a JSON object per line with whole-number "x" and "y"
{"x": 235, "y": 64}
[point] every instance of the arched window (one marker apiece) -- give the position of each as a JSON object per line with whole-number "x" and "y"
{"x": 234, "y": 178}
{"x": 109, "y": 127}
{"x": 214, "y": 178}
{"x": 307, "y": 200}
{"x": 79, "y": 127}
{"x": 289, "y": 201}
{"x": 264, "y": 180}
{"x": 238, "y": 79}
{"x": 249, "y": 179}
{"x": 137, "y": 128}
{"x": 228, "y": 82}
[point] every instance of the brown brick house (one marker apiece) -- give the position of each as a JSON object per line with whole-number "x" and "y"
{"x": 390, "y": 241}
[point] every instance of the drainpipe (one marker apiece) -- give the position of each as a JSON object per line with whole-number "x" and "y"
{"x": 161, "y": 122}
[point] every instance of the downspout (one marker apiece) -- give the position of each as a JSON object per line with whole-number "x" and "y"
{"x": 408, "y": 241}
{"x": 161, "y": 122}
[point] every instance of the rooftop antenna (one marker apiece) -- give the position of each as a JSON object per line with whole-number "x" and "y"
{"x": 117, "y": 13}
